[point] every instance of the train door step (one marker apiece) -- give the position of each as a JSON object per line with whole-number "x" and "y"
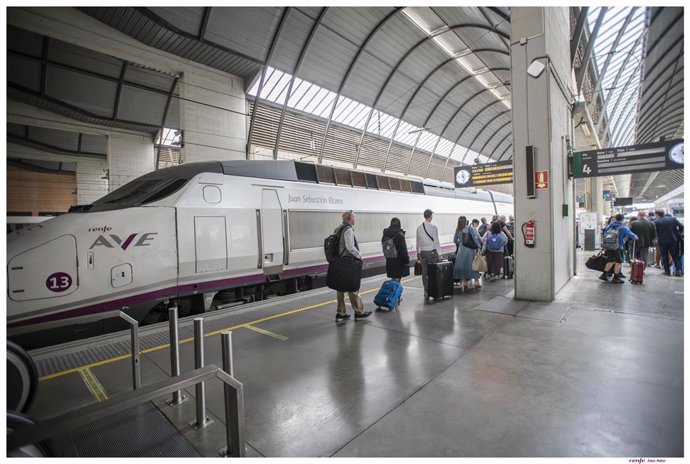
{"x": 273, "y": 277}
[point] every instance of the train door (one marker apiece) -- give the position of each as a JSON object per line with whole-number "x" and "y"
{"x": 272, "y": 250}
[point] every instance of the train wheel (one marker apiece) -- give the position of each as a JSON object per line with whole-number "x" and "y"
{"x": 22, "y": 378}
{"x": 17, "y": 421}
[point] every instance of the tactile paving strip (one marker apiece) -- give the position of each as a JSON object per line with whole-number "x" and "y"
{"x": 141, "y": 431}
{"x": 73, "y": 355}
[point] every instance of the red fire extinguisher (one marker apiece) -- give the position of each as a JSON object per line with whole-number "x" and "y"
{"x": 529, "y": 232}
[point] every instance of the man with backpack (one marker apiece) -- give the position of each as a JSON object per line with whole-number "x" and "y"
{"x": 340, "y": 260}
{"x": 614, "y": 244}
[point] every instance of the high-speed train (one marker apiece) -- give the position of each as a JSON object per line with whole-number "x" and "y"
{"x": 241, "y": 228}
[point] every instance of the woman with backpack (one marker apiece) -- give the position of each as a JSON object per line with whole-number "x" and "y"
{"x": 395, "y": 251}
{"x": 467, "y": 239}
{"x": 495, "y": 241}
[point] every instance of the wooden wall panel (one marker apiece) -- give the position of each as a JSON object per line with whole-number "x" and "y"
{"x": 40, "y": 191}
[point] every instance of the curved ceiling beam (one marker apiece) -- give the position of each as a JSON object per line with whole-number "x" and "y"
{"x": 414, "y": 94}
{"x": 672, "y": 114}
{"x": 645, "y": 108}
{"x": 397, "y": 66}
{"x": 647, "y": 98}
{"x": 504, "y": 152}
{"x": 491, "y": 137}
{"x": 298, "y": 67}
{"x": 662, "y": 36}
{"x": 469, "y": 147}
{"x": 618, "y": 125}
{"x": 274, "y": 41}
{"x": 584, "y": 64}
{"x": 409, "y": 162}
{"x": 614, "y": 84}
{"x": 646, "y": 119}
{"x": 499, "y": 144}
{"x": 609, "y": 56}
{"x": 349, "y": 72}
{"x": 165, "y": 24}
{"x": 438, "y": 103}
{"x": 457, "y": 140}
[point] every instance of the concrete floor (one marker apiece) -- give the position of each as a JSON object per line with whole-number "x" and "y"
{"x": 599, "y": 373}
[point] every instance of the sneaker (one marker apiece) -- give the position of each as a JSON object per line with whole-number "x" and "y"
{"x": 667, "y": 274}
{"x": 620, "y": 275}
{"x": 604, "y": 276}
{"x": 616, "y": 280}
{"x": 342, "y": 317}
{"x": 362, "y": 315}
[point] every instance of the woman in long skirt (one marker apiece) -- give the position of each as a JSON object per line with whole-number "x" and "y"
{"x": 469, "y": 243}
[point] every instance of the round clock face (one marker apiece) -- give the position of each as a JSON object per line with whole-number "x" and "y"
{"x": 462, "y": 177}
{"x": 676, "y": 153}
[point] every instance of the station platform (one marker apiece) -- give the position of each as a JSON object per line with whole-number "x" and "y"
{"x": 597, "y": 373}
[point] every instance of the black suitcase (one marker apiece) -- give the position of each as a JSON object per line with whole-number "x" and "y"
{"x": 508, "y": 267}
{"x": 440, "y": 282}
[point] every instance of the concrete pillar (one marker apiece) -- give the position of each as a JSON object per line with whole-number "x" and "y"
{"x": 128, "y": 158}
{"x": 212, "y": 116}
{"x": 542, "y": 119}
{"x": 92, "y": 181}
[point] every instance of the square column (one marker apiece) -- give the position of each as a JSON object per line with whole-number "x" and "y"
{"x": 542, "y": 123}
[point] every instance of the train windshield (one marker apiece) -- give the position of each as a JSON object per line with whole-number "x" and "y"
{"x": 150, "y": 187}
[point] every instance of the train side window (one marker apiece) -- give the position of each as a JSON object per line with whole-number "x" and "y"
{"x": 212, "y": 194}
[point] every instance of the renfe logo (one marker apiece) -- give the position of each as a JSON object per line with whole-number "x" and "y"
{"x": 102, "y": 240}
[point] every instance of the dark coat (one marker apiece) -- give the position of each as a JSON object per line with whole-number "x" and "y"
{"x": 399, "y": 267}
{"x": 645, "y": 231}
{"x": 668, "y": 230}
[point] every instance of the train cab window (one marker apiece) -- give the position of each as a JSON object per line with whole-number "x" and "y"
{"x": 165, "y": 191}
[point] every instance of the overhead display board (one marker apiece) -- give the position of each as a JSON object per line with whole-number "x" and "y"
{"x": 480, "y": 175}
{"x": 649, "y": 157}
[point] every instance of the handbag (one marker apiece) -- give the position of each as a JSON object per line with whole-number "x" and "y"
{"x": 597, "y": 262}
{"x": 469, "y": 242}
{"x": 417, "y": 268}
{"x": 344, "y": 274}
{"x": 479, "y": 264}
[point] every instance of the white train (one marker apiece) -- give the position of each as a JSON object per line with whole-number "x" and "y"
{"x": 190, "y": 231}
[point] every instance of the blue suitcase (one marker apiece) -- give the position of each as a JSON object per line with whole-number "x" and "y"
{"x": 389, "y": 295}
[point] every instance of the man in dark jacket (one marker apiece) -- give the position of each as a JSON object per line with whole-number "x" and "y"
{"x": 399, "y": 266}
{"x": 646, "y": 233}
{"x": 668, "y": 232}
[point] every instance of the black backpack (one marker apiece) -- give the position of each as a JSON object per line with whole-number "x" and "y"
{"x": 331, "y": 244}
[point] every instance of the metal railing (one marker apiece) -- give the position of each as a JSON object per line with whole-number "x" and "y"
{"x": 234, "y": 409}
{"x": 134, "y": 331}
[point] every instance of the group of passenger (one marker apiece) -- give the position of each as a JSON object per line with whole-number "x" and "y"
{"x": 493, "y": 239}
{"x": 636, "y": 236}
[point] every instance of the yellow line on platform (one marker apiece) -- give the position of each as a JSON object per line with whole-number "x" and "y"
{"x": 191, "y": 339}
{"x": 266, "y": 332}
{"x": 93, "y": 384}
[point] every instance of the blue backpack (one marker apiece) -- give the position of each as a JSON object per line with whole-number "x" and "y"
{"x": 493, "y": 243}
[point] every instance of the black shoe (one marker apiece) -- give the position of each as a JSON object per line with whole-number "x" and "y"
{"x": 620, "y": 275}
{"x": 362, "y": 315}
{"x": 667, "y": 274}
{"x": 604, "y": 276}
{"x": 678, "y": 274}
{"x": 342, "y": 317}
{"x": 617, "y": 280}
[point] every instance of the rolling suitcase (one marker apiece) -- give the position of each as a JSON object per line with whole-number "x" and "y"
{"x": 636, "y": 269}
{"x": 440, "y": 282}
{"x": 388, "y": 295}
{"x": 508, "y": 267}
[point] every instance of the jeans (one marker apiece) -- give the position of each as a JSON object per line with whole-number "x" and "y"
{"x": 426, "y": 258}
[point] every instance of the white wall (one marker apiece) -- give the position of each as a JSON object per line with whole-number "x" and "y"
{"x": 128, "y": 158}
